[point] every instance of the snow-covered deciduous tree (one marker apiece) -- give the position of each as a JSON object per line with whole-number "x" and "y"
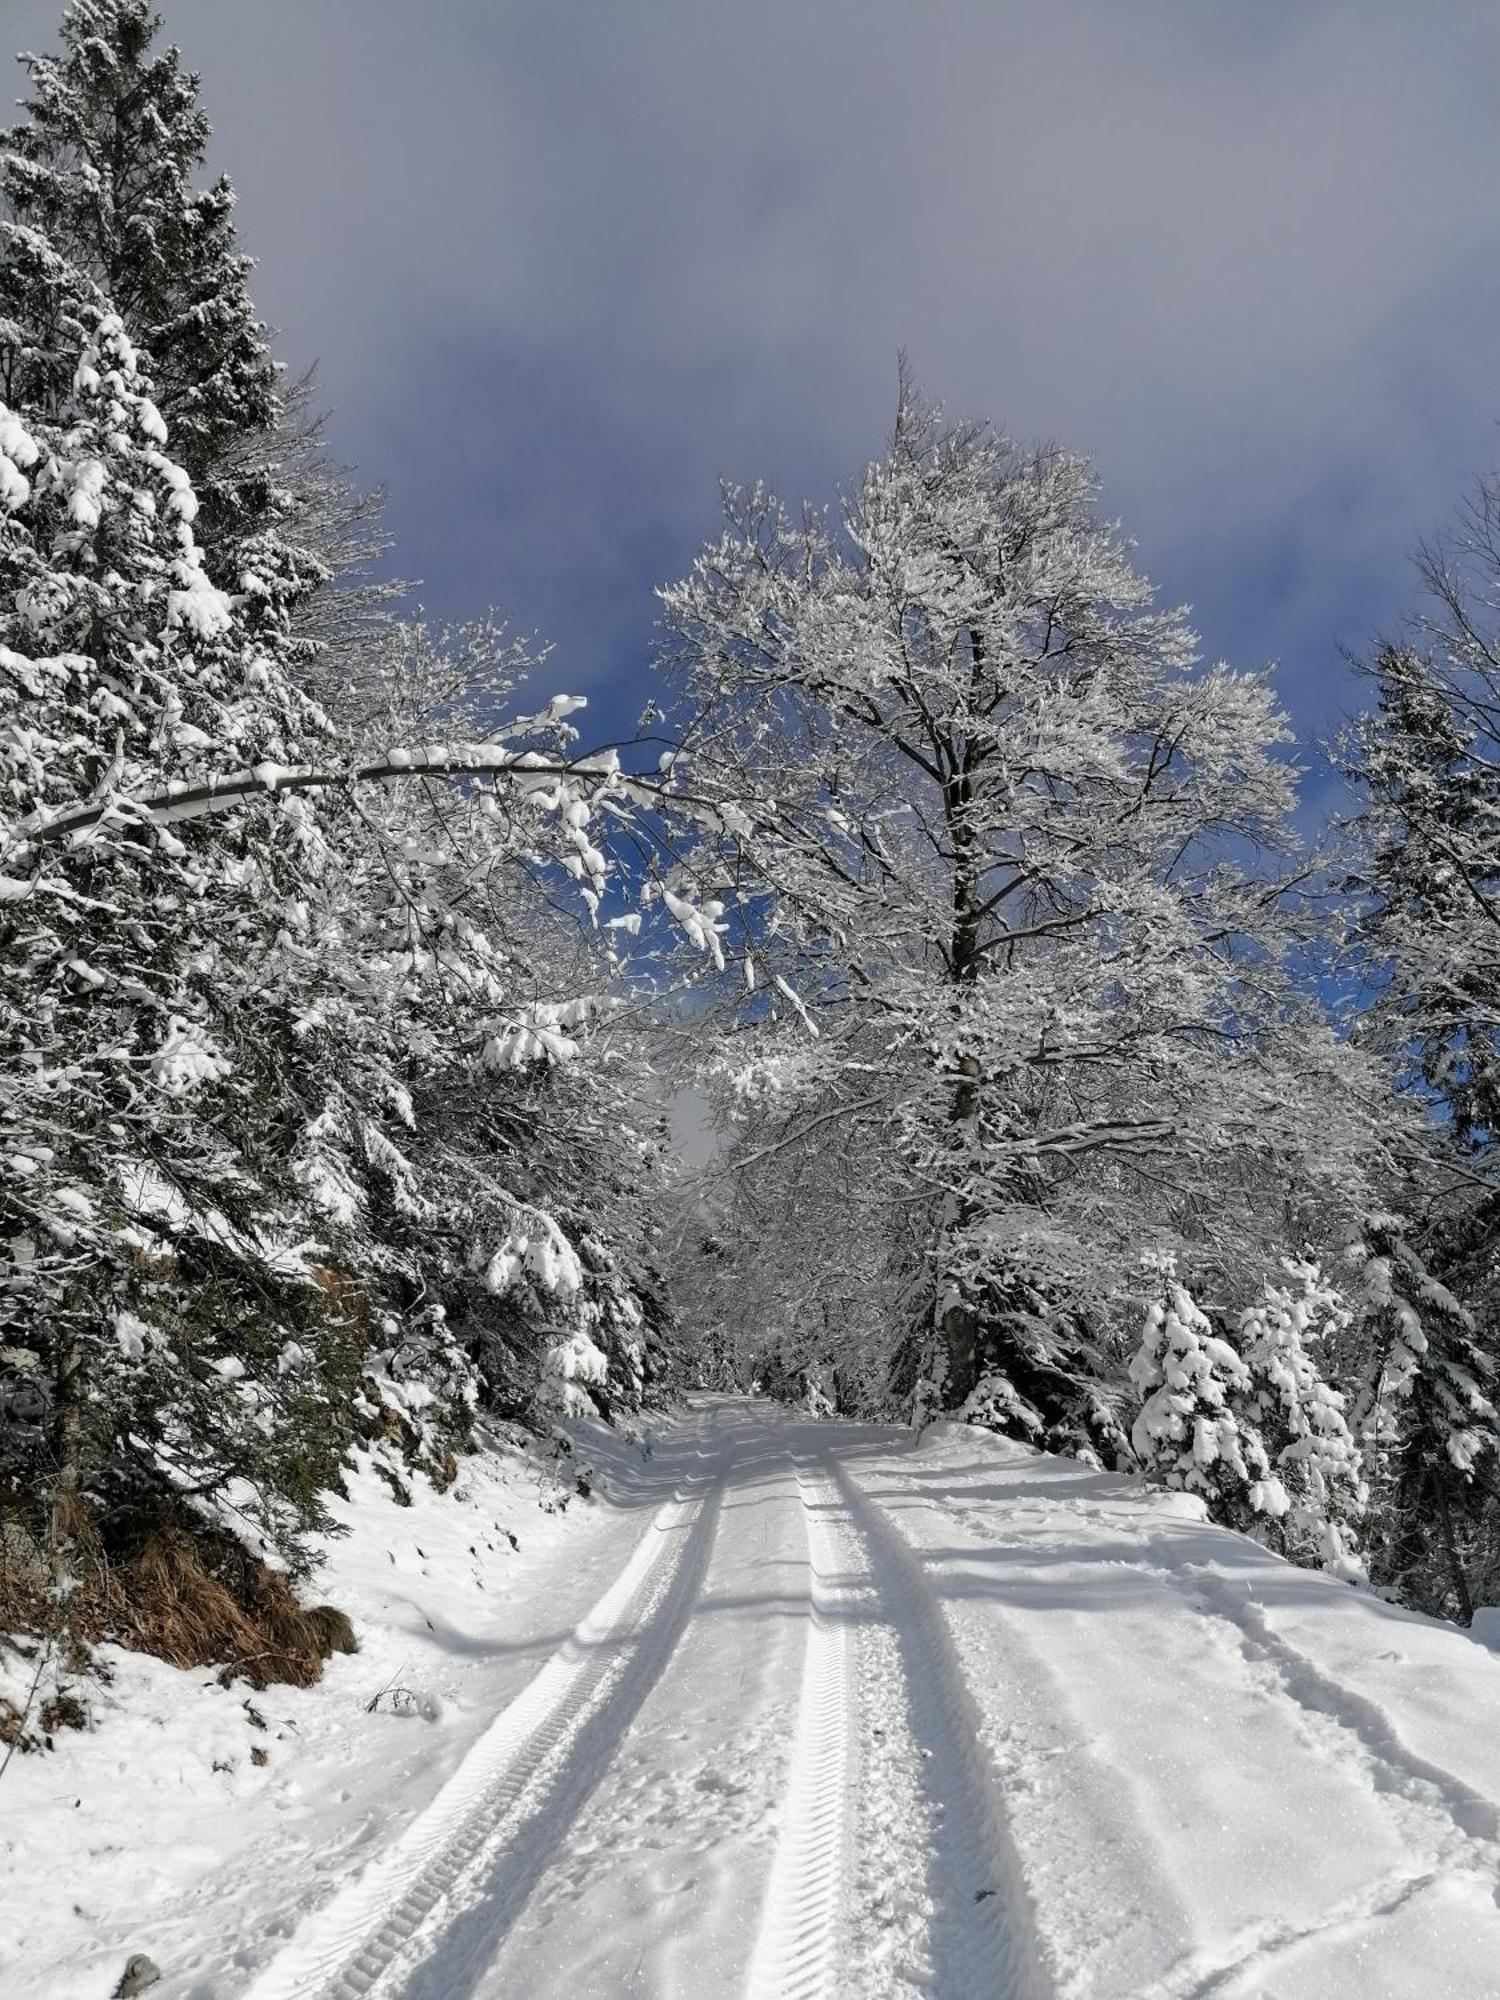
{"x": 1025, "y": 874}
{"x": 786, "y": 1275}
{"x": 1284, "y": 1338}
{"x": 1193, "y": 1429}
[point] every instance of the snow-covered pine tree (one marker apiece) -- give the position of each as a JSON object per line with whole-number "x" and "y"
{"x": 280, "y": 1083}
{"x": 102, "y": 167}
{"x": 147, "y": 1258}
{"x": 1194, "y": 1430}
{"x": 1426, "y": 1421}
{"x": 281, "y": 1089}
{"x": 104, "y": 170}
{"x": 1429, "y": 881}
{"x": 1426, "y": 887}
{"x": 1301, "y": 1417}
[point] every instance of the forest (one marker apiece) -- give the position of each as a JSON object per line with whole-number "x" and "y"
{"x": 1068, "y": 1074}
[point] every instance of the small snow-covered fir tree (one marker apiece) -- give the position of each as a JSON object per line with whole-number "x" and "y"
{"x": 1301, "y": 1417}
{"x": 1192, "y": 1430}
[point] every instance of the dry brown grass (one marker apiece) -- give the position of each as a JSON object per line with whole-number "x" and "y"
{"x": 168, "y": 1585}
{"x": 197, "y": 1598}
{"x": 25, "y": 1576}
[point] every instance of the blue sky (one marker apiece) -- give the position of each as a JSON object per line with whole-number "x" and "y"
{"x": 564, "y": 265}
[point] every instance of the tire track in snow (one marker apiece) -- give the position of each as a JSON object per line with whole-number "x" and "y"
{"x": 980, "y": 1923}
{"x": 798, "y": 1949}
{"x": 1252, "y": 1955}
{"x": 1447, "y": 1827}
{"x": 425, "y": 1917}
{"x": 1463, "y": 1825}
{"x": 1390, "y": 1766}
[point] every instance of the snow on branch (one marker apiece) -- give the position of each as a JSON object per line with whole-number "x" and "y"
{"x": 181, "y": 801}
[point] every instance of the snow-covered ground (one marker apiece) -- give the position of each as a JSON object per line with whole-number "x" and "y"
{"x": 800, "y": 1710}
{"x": 158, "y": 1832}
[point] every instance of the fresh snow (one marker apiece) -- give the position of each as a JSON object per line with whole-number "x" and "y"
{"x": 788, "y": 1707}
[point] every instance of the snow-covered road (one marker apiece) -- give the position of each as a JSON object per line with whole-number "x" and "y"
{"x": 803, "y": 1711}
{"x": 865, "y": 1720}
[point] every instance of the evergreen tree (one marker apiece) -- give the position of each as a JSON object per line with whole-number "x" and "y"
{"x": 153, "y": 1265}
{"x": 101, "y": 176}
{"x": 1193, "y": 1429}
{"x": 102, "y": 169}
{"x": 283, "y": 1104}
{"x": 1426, "y": 894}
{"x": 1426, "y": 1419}
{"x": 1301, "y": 1417}
{"x": 1430, "y": 881}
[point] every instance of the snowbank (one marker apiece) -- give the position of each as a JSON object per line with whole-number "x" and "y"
{"x": 198, "y": 1823}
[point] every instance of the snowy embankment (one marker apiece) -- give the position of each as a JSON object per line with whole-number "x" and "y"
{"x": 802, "y": 1710}
{"x": 160, "y": 1830}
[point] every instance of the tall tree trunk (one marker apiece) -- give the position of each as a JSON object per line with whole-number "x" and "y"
{"x": 1456, "y": 1573}
{"x": 67, "y": 1502}
{"x": 960, "y": 1319}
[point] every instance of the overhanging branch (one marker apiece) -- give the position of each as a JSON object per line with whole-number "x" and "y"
{"x": 181, "y": 800}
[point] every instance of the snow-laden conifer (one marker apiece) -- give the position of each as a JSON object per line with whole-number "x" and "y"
{"x": 1425, "y": 1418}
{"x": 103, "y": 167}
{"x": 1285, "y": 1338}
{"x": 253, "y": 1149}
{"x": 137, "y": 1017}
{"x": 1425, "y": 877}
{"x": 1194, "y": 1430}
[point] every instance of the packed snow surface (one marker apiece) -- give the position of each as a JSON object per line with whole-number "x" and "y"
{"x": 802, "y": 1709}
